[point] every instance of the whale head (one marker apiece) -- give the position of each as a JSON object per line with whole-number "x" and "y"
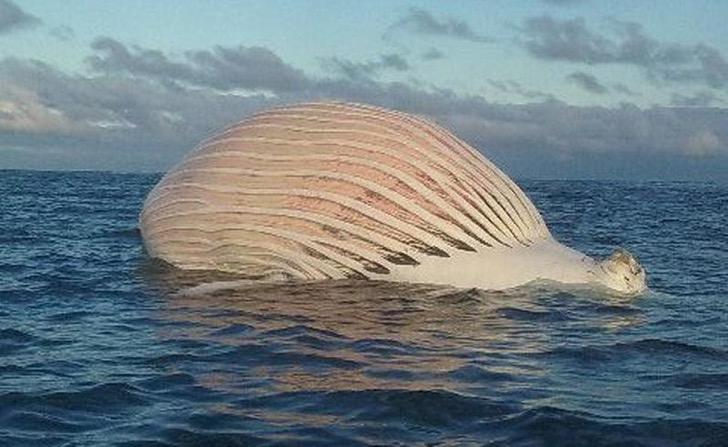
{"x": 622, "y": 272}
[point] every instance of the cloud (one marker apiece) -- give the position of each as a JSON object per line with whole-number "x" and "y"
{"x": 699, "y": 99}
{"x": 565, "y": 129}
{"x": 588, "y": 82}
{"x": 433, "y": 54}
{"x": 12, "y": 17}
{"x": 515, "y": 88}
{"x": 107, "y": 121}
{"x": 623, "y": 89}
{"x": 63, "y": 33}
{"x": 22, "y": 110}
{"x": 224, "y": 68}
{"x": 369, "y": 69}
{"x": 125, "y": 116}
{"x": 563, "y": 2}
{"x": 420, "y": 21}
{"x": 571, "y": 40}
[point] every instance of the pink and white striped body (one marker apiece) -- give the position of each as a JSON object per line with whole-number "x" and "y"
{"x": 334, "y": 190}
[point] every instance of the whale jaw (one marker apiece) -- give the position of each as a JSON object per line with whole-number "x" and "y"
{"x": 622, "y": 273}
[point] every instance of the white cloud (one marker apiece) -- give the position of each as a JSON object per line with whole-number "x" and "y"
{"x": 23, "y": 110}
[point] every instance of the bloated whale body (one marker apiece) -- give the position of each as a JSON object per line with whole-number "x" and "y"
{"x": 335, "y": 190}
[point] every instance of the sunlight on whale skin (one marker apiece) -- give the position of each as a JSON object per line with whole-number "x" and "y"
{"x": 333, "y": 190}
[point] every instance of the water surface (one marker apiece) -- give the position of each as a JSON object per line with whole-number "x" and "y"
{"x": 98, "y": 347}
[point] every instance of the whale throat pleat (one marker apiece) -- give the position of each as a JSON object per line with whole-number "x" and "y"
{"x": 333, "y": 190}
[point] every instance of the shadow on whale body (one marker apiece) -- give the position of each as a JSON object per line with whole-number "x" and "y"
{"x": 349, "y": 191}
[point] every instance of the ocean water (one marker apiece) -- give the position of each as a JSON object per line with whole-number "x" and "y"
{"x": 99, "y": 347}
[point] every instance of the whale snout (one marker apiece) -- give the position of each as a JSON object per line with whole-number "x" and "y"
{"x": 623, "y": 273}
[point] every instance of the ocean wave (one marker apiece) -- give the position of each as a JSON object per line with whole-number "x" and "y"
{"x": 98, "y": 348}
{"x": 701, "y": 381}
{"x": 643, "y": 347}
{"x": 102, "y": 397}
{"x": 554, "y": 426}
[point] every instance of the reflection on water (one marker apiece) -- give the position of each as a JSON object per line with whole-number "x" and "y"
{"x": 354, "y": 335}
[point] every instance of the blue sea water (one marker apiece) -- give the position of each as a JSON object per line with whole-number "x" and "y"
{"x": 97, "y": 347}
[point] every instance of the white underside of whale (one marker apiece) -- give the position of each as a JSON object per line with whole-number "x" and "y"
{"x": 502, "y": 268}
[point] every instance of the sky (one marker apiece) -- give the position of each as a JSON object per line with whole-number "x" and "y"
{"x": 565, "y": 89}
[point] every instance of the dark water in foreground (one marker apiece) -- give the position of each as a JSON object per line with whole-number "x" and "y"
{"x": 97, "y": 349}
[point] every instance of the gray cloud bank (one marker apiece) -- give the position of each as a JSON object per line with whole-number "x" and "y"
{"x": 12, "y": 17}
{"x": 220, "y": 68}
{"x": 573, "y": 41}
{"x": 420, "y": 21}
{"x": 369, "y": 69}
{"x": 142, "y": 109}
{"x": 588, "y": 82}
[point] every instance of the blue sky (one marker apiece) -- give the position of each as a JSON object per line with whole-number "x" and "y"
{"x": 547, "y": 88}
